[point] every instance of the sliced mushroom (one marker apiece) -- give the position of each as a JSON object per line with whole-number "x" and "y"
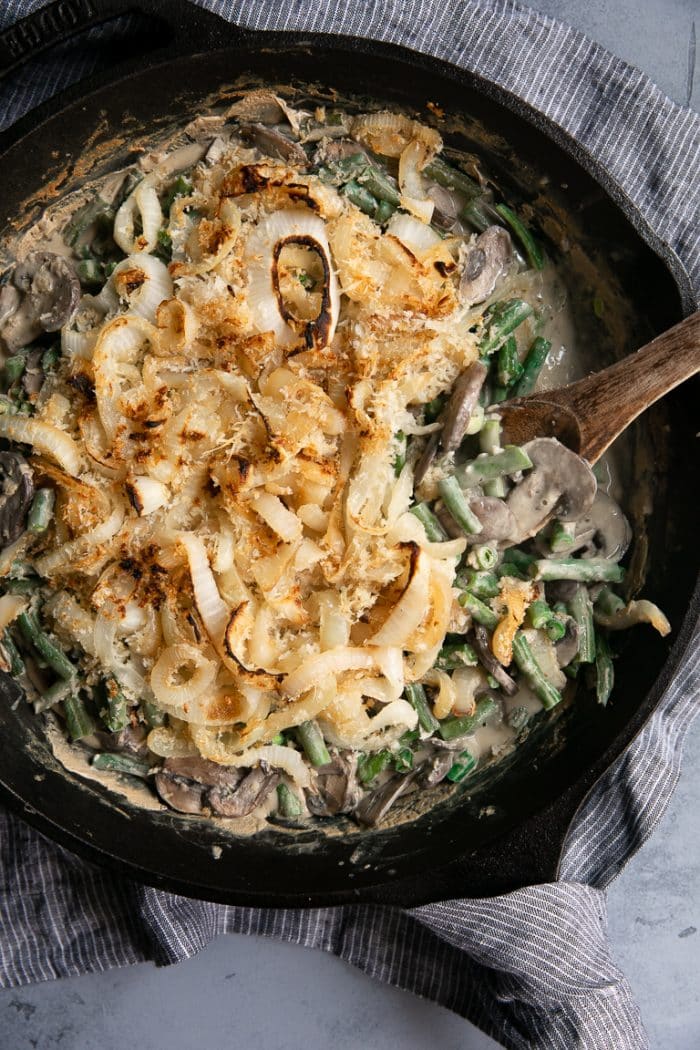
{"x": 437, "y": 767}
{"x": 184, "y": 783}
{"x": 497, "y": 521}
{"x": 375, "y": 806}
{"x": 330, "y": 152}
{"x": 560, "y": 484}
{"x": 186, "y": 796}
{"x": 273, "y": 143}
{"x": 9, "y": 302}
{"x": 16, "y": 494}
{"x": 337, "y": 788}
{"x": 605, "y": 527}
{"x": 240, "y": 799}
{"x": 489, "y": 661}
{"x": 33, "y": 375}
{"x": 49, "y": 292}
{"x": 483, "y": 264}
{"x": 426, "y": 459}
{"x": 463, "y": 399}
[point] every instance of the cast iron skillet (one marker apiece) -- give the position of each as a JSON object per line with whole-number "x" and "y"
{"x": 508, "y": 830}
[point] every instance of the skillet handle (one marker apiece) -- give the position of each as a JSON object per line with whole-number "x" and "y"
{"x": 176, "y": 22}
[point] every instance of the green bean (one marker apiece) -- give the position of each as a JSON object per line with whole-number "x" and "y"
{"x": 14, "y": 660}
{"x": 279, "y": 739}
{"x": 586, "y": 570}
{"x": 44, "y": 646}
{"x": 480, "y": 214}
{"x": 53, "y": 695}
{"x": 115, "y": 715}
{"x": 508, "y": 367}
{"x": 581, "y": 608}
{"x": 400, "y": 457}
{"x": 379, "y": 185}
{"x": 84, "y": 217}
{"x": 371, "y": 765}
{"x": 384, "y": 212}
{"x": 403, "y": 760}
{"x": 415, "y": 694}
{"x": 433, "y": 529}
{"x": 478, "y": 610}
{"x": 41, "y": 511}
{"x": 14, "y": 368}
{"x": 604, "y": 671}
{"x": 499, "y": 394}
{"x": 410, "y": 736}
{"x": 476, "y": 421}
{"x": 462, "y": 767}
{"x": 90, "y": 272}
{"x": 445, "y": 175}
{"x": 311, "y": 739}
{"x": 79, "y": 721}
{"x": 153, "y": 716}
{"x": 121, "y": 763}
{"x": 484, "y": 556}
{"x": 502, "y": 318}
{"x": 555, "y": 629}
{"x": 454, "y": 655}
{"x": 288, "y": 802}
{"x": 482, "y": 584}
{"x": 520, "y": 558}
{"x": 485, "y": 467}
{"x": 539, "y": 613}
{"x": 526, "y": 662}
{"x": 490, "y": 436}
{"x": 532, "y": 366}
{"x": 182, "y": 187}
{"x": 360, "y": 197}
{"x": 25, "y": 585}
{"x": 561, "y": 536}
{"x": 433, "y": 409}
{"x": 458, "y": 726}
{"x": 609, "y": 602}
{"x": 164, "y": 246}
{"x": 530, "y": 245}
{"x": 456, "y": 503}
{"x": 518, "y": 717}
{"x": 509, "y": 568}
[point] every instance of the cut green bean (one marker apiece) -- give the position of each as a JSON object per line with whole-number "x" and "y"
{"x": 485, "y": 557}
{"x": 585, "y": 570}
{"x": 480, "y": 214}
{"x": 403, "y": 760}
{"x": 115, "y": 713}
{"x": 79, "y": 721}
{"x": 456, "y": 503}
{"x": 556, "y": 629}
{"x": 360, "y": 197}
{"x": 53, "y": 695}
{"x": 452, "y": 178}
{"x": 604, "y": 671}
{"x": 288, "y": 802}
{"x": 379, "y": 185}
{"x": 24, "y": 585}
{"x": 532, "y": 250}
{"x": 526, "y": 662}
{"x": 520, "y": 558}
{"x": 121, "y": 763}
{"x": 369, "y": 766}
{"x": 384, "y": 212}
{"x": 311, "y": 739}
{"x": 508, "y": 367}
{"x": 415, "y": 694}
{"x": 279, "y": 739}
{"x": 481, "y": 583}
{"x": 462, "y": 767}
{"x": 484, "y": 468}
{"x": 539, "y": 613}
{"x": 609, "y": 602}
{"x": 490, "y": 437}
{"x": 14, "y": 660}
{"x": 433, "y": 529}
{"x": 581, "y": 608}
{"x": 478, "y": 610}
{"x": 44, "y": 646}
{"x": 462, "y": 725}
{"x": 518, "y": 717}
{"x": 532, "y": 366}
{"x": 152, "y": 714}
{"x": 41, "y": 511}
{"x": 400, "y": 457}
{"x": 454, "y": 655}
{"x": 509, "y": 568}
{"x": 501, "y": 319}
{"x": 562, "y": 536}
{"x": 182, "y": 187}
{"x": 90, "y": 272}
{"x": 14, "y": 368}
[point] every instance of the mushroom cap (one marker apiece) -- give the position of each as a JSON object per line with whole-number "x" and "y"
{"x": 497, "y": 521}
{"x": 560, "y": 483}
{"x": 49, "y": 292}
{"x": 273, "y": 143}
{"x": 337, "y": 787}
{"x": 486, "y": 261}
{"x": 463, "y": 399}
{"x": 606, "y": 526}
{"x": 16, "y": 494}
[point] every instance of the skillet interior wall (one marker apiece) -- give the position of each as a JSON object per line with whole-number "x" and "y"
{"x": 125, "y": 120}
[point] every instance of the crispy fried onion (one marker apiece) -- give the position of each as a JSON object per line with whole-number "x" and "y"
{"x": 268, "y": 306}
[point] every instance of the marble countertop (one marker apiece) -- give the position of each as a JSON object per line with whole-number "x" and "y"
{"x": 250, "y": 991}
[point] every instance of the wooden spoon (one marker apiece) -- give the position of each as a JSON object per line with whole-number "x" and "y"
{"x": 587, "y": 416}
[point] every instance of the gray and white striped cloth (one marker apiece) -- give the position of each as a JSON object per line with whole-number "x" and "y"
{"x": 531, "y": 968}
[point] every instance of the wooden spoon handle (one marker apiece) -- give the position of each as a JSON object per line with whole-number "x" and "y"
{"x": 607, "y": 402}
